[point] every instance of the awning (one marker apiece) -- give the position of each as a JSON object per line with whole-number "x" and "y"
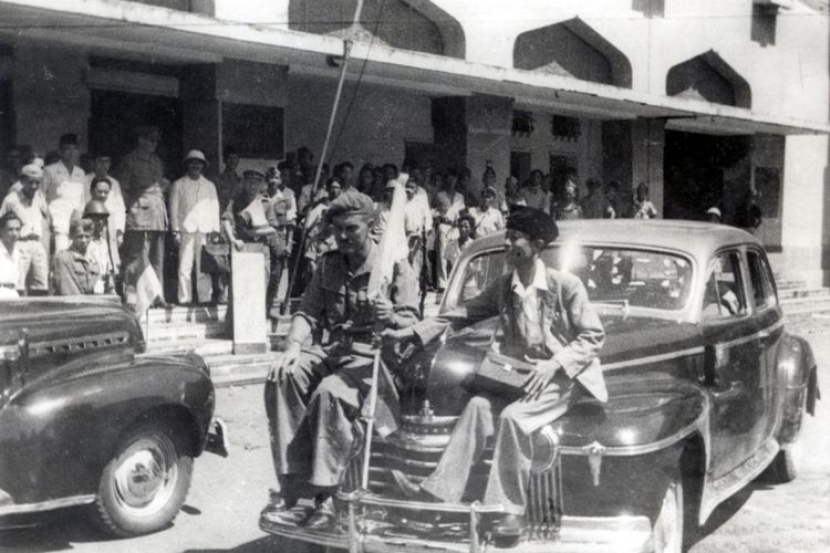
{"x": 148, "y": 32}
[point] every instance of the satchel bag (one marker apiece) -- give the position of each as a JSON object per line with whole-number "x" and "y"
{"x": 500, "y": 374}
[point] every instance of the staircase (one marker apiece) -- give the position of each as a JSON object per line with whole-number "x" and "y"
{"x": 798, "y": 299}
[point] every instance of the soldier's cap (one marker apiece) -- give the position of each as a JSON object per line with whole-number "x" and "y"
{"x": 714, "y": 211}
{"x": 195, "y": 155}
{"x": 535, "y": 223}
{"x": 253, "y": 174}
{"x": 490, "y": 191}
{"x": 350, "y": 202}
{"x": 31, "y": 171}
{"x": 95, "y": 209}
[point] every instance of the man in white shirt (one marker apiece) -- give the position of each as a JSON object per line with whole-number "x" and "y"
{"x": 488, "y": 218}
{"x": 113, "y": 200}
{"x": 417, "y": 222}
{"x": 194, "y": 213}
{"x": 27, "y": 203}
{"x": 64, "y": 187}
{"x": 9, "y": 255}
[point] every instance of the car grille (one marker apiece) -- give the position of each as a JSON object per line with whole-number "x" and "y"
{"x": 545, "y": 505}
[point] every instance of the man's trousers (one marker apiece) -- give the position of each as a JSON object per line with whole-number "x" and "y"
{"x": 313, "y": 416}
{"x": 190, "y": 257}
{"x": 513, "y": 426}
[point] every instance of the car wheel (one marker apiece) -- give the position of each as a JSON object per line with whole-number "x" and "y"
{"x": 668, "y": 527}
{"x": 145, "y": 483}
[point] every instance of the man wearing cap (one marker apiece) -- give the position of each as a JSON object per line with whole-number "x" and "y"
{"x": 141, "y": 174}
{"x": 99, "y": 249}
{"x": 316, "y": 391}
{"x": 73, "y": 271}
{"x": 63, "y": 187}
{"x": 545, "y": 316}
{"x": 194, "y": 214}
{"x": 26, "y": 201}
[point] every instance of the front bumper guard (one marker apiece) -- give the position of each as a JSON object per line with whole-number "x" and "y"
{"x": 620, "y": 534}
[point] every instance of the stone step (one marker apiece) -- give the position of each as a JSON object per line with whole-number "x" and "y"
{"x": 179, "y": 314}
{"x": 797, "y": 293}
{"x": 207, "y": 348}
{"x": 185, "y": 332}
{"x": 806, "y": 305}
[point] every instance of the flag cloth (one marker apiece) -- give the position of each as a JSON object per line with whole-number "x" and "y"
{"x": 147, "y": 287}
{"x": 393, "y": 246}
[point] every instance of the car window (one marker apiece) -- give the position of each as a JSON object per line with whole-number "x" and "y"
{"x": 724, "y": 296}
{"x": 763, "y": 289}
{"x": 639, "y": 278}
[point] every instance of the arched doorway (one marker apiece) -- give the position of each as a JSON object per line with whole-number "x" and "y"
{"x": 704, "y": 170}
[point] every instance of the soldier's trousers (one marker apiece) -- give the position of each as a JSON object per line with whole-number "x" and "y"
{"x": 312, "y": 415}
{"x": 513, "y": 426}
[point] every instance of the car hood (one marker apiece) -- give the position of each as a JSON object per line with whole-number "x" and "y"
{"x": 632, "y": 345}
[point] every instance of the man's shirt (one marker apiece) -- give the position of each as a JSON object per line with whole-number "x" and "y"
{"x": 141, "y": 176}
{"x": 115, "y": 205}
{"x": 64, "y": 192}
{"x": 487, "y": 221}
{"x": 284, "y": 204}
{"x": 337, "y": 294}
{"x": 417, "y": 215}
{"x": 9, "y": 266}
{"x": 32, "y": 213}
{"x": 194, "y": 206}
{"x": 74, "y": 273}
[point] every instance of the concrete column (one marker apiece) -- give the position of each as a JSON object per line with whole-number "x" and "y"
{"x": 647, "y": 146}
{"x": 201, "y": 114}
{"x": 489, "y": 123}
{"x": 51, "y": 96}
{"x": 803, "y": 209}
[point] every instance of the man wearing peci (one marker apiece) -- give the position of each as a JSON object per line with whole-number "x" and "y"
{"x": 546, "y": 317}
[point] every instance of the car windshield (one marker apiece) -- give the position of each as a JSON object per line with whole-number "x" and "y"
{"x": 629, "y": 277}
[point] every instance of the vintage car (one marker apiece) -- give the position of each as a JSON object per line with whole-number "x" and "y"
{"x": 707, "y": 391}
{"x": 87, "y": 418}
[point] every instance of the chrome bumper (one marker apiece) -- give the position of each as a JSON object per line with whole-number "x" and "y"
{"x": 625, "y": 534}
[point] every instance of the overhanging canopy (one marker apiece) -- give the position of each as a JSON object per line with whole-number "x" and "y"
{"x": 143, "y": 32}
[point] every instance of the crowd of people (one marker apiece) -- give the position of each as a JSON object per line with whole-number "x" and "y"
{"x": 113, "y": 224}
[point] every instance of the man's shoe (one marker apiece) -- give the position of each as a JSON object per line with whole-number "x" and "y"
{"x": 324, "y": 516}
{"x": 508, "y": 530}
{"x": 411, "y": 490}
{"x": 277, "y": 504}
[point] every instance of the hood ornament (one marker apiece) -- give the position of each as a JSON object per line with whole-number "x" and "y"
{"x": 595, "y": 452}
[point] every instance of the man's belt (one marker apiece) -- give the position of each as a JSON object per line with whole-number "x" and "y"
{"x": 347, "y": 335}
{"x": 8, "y": 285}
{"x": 29, "y": 238}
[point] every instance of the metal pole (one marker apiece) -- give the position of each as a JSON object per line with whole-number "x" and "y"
{"x": 370, "y": 422}
{"x": 347, "y": 49}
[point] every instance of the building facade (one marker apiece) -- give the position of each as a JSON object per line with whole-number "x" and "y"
{"x": 701, "y": 100}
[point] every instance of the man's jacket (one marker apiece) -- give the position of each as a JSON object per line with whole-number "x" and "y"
{"x": 572, "y": 329}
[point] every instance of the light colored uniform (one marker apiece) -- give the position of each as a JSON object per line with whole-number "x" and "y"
{"x": 64, "y": 191}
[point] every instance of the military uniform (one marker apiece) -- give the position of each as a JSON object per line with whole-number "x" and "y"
{"x": 313, "y": 410}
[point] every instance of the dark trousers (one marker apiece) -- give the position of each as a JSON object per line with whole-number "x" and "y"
{"x": 140, "y": 243}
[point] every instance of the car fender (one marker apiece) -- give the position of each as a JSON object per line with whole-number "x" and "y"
{"x": 798, "y": 381}
{"x": 58, "y": 432}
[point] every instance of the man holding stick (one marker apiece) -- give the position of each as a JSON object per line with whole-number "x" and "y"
{"x": 318, "y": 389}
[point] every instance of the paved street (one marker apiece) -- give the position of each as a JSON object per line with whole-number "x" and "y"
{"x": 223, "y": 505}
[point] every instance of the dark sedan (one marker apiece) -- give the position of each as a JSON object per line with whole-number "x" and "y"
{"x": 707, "y": 391}
{"x": 86, "y": 418}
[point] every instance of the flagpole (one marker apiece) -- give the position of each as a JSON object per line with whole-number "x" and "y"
{"x": 347, "y": 49}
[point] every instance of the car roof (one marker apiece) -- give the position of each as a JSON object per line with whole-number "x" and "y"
{"x": 695, "y": 238}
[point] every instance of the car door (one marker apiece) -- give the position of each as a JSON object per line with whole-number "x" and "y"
{"x": 731, "y": 364}
{"x": 771, "y": 328}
